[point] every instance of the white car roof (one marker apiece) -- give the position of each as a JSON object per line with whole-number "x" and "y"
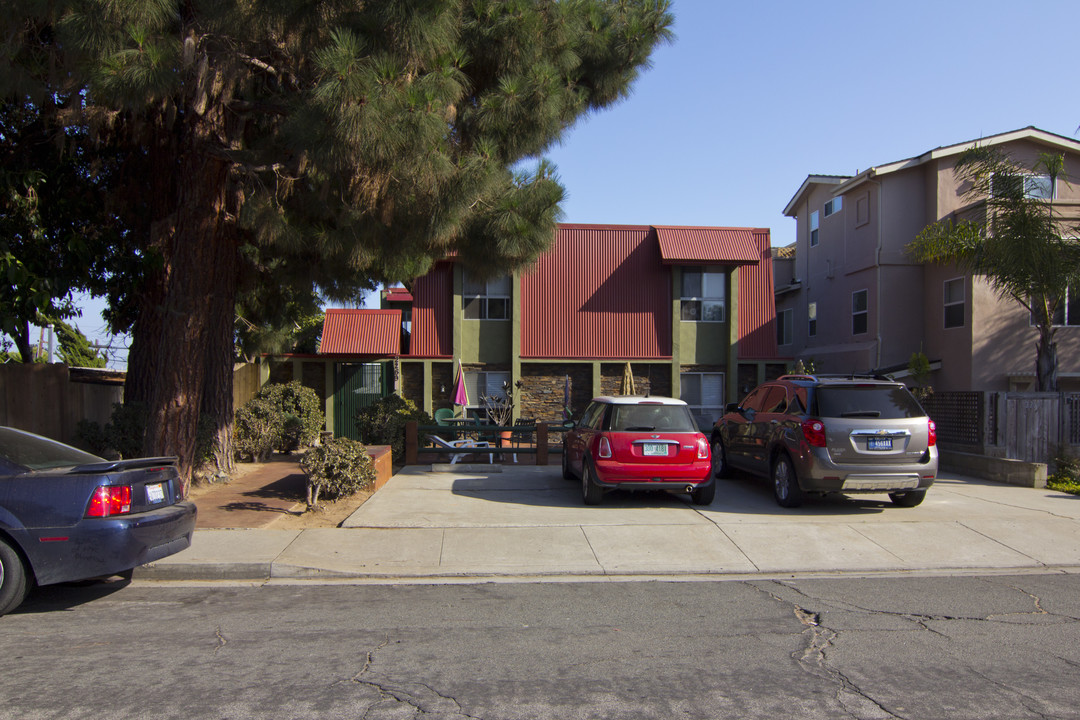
{"x": 637, "y": 400}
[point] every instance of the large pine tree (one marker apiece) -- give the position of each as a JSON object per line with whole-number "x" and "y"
{"x": 331, "y": 142}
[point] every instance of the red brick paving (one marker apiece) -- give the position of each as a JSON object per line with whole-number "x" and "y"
{"x": 257, "y": 498}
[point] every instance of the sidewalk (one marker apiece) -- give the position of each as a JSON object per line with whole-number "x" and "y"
{"x": 255, "y": 499}
{"x": 473, "y": 523}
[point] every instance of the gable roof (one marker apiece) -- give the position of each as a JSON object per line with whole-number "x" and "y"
{"x": 361, "y": 332}
{"x": 809, "y": 183}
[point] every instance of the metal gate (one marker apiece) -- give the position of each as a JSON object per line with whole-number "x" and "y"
{"x": 357, "y": 386}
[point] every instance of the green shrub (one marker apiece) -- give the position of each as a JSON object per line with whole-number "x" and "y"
{"x": 337, "y": 468}
{"x": 383, "y": 423}
{"x": 1066, "y": 475}
{"x": 257, "y": 429}
{"x": 123, "y": 434}
{"x": 283, "y": 417}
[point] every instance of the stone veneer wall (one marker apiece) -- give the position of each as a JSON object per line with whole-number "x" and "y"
{"x": 543, "y": 387}
{"x": 412, "y": 383}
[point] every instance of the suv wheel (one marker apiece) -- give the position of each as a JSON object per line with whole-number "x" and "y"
{"x": 908, "y": 499}
{"x": 590, "y": 491}
{"x": 720, "y": 467}
{"x": 785, "y": 483}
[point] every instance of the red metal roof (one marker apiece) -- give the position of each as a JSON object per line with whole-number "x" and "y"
{"x": 601, "y": 292}
{"x": 757, "y": 304}
{"x": 361, "y": 332}
{"x": 397, "y": 294}
{"x": 707, "y": 245}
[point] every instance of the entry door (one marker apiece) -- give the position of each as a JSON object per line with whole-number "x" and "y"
{"x": 357, "y": 386}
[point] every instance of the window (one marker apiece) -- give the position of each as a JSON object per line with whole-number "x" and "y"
{"x": 954, "y": 303}
{"x": 486, "y": 299}
{"x": 811, "y": 319}
{"x": 815, "y": 222}
{"x": 1039, "y": 187}
{"x": 783, "y": 327}
{"x": 859, "y": 314}
{"x": 1066, "y": 313}
{"x": 704, "y": 393}
{"x": 834, "y": 206}
{"x": 775, "y": 401}
{"x": 483, "y": 384}
{"x": 703, "y": 295}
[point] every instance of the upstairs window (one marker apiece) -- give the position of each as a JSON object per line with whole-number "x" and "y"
{"x": 815, "y": 223}
{"x": 783, "y": 327}
{"x": 486, "y": 299}
{"x": 1066, "y": 313}
{"x": 860, "y": 314}
{"x": 954, "y": 303}
{"x": 834, "y": 206}
{"x": 811, "y": 319}
{"x": 703, "y": 295}
{"x": 1037, "y": 187}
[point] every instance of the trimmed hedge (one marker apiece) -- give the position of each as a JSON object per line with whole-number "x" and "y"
{"x": 337, "y": 468}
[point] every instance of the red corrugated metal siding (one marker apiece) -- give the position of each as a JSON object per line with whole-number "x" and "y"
{"x": 757, "y": 304}
{"x": 432, "y": 322}
{"x": 361, "y": 332}
{"x": 601, "y": 292}
{"x": 707, "y": 245}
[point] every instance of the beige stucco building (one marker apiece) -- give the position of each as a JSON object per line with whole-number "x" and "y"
{"x": 851, "y": 299}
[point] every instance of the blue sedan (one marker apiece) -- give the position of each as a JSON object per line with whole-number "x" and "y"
{"x": 68, "y": 515}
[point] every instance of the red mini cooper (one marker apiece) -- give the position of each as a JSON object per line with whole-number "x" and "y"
{"x": 638, "y": 443}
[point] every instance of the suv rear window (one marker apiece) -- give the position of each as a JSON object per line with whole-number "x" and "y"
{"x": 645, "y": 417}
{"x": 876, "y": 401}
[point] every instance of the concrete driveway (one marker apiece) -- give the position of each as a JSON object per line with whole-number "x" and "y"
{"x": 482, "y": 522}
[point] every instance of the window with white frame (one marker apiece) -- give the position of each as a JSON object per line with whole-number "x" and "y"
{"x": 815, "y": 223}
{"x": 784, "y": 327}
{"x": 704, "y": 292}
{"x": 834, "y": 206}
{"x": 1038, "y": 187}
{"x": 811, "y": 319}
{"x": 954, "y": 302}
{"x": 704, "y": 393}
{"x": 483, "y": 384}
{"x": 860, "y": 314}
{"x": 1066, "y": 313}
{"x": 486, "y": 299}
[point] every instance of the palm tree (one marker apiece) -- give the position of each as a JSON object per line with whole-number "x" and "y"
{"x": 1019, "y": 246}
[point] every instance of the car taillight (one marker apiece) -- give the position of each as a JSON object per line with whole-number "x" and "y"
{"x": 604, "y": 448}
{"x": 702, "y": 449}
{"x": 814, "y": 432}
{"x": 110, "y": 500}
{"x": 932, "y": 439}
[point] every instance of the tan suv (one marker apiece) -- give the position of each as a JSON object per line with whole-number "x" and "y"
{"x": 830, "y": 434}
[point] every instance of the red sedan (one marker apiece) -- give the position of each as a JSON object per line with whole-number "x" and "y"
{"x": 638, "y": 443}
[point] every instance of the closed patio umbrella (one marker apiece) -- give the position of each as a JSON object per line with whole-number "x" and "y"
{"x": 461, "y": 394}
{"x": 627, "y": 387}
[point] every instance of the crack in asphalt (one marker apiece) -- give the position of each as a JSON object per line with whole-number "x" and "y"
{"x": 222, "y": 640}
{"x": 388, "y": 693}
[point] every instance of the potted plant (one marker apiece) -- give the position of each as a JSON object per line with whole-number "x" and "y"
{"x": 500, "y": 410}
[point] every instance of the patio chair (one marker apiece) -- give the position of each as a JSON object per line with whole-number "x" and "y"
{"x": 442, "y": 415}
{"x": 522, "y": 434}
{"x": 461, "y": 444}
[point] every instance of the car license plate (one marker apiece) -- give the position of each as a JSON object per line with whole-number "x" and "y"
{"x": 155, "y": 493}
{"x": 654, "y": 449}
{"x": 879, "y": 444}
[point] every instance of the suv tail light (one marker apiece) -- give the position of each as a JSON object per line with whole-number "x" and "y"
{"x": 702, "y": 449}
{"x": 932, "y": 437}
{"x": 110, "y": 500}
{"x": 814, "y": 432}
{"x": 604, "y": 450}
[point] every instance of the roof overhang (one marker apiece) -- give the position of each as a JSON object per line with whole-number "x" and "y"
{"x": 708, "y": 245}
{"x": 372, "y": 333}
{"x": 790, "y": 210}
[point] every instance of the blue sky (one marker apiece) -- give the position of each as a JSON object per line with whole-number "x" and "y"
{"x": 750, "y": 98}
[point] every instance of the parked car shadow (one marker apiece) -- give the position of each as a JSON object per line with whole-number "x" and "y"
{"x": 66, "y": 596}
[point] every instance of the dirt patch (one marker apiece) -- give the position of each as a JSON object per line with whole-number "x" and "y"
{"x": 330, "y": 515}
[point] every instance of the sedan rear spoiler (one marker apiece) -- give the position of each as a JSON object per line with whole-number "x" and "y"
{"x": 118, "y": 465}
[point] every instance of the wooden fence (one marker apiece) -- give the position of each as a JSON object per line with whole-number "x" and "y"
{"x": 1028, "y": 426}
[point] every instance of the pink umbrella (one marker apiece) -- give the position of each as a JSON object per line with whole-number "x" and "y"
{"x": 461, "y": 395}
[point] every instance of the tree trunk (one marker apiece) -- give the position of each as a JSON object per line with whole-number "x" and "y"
{"x": 172, "y": 362}
{"x": 217, "y": 397}
{"x": 1046, "y": 367}
{"x": 22, "y": 342}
